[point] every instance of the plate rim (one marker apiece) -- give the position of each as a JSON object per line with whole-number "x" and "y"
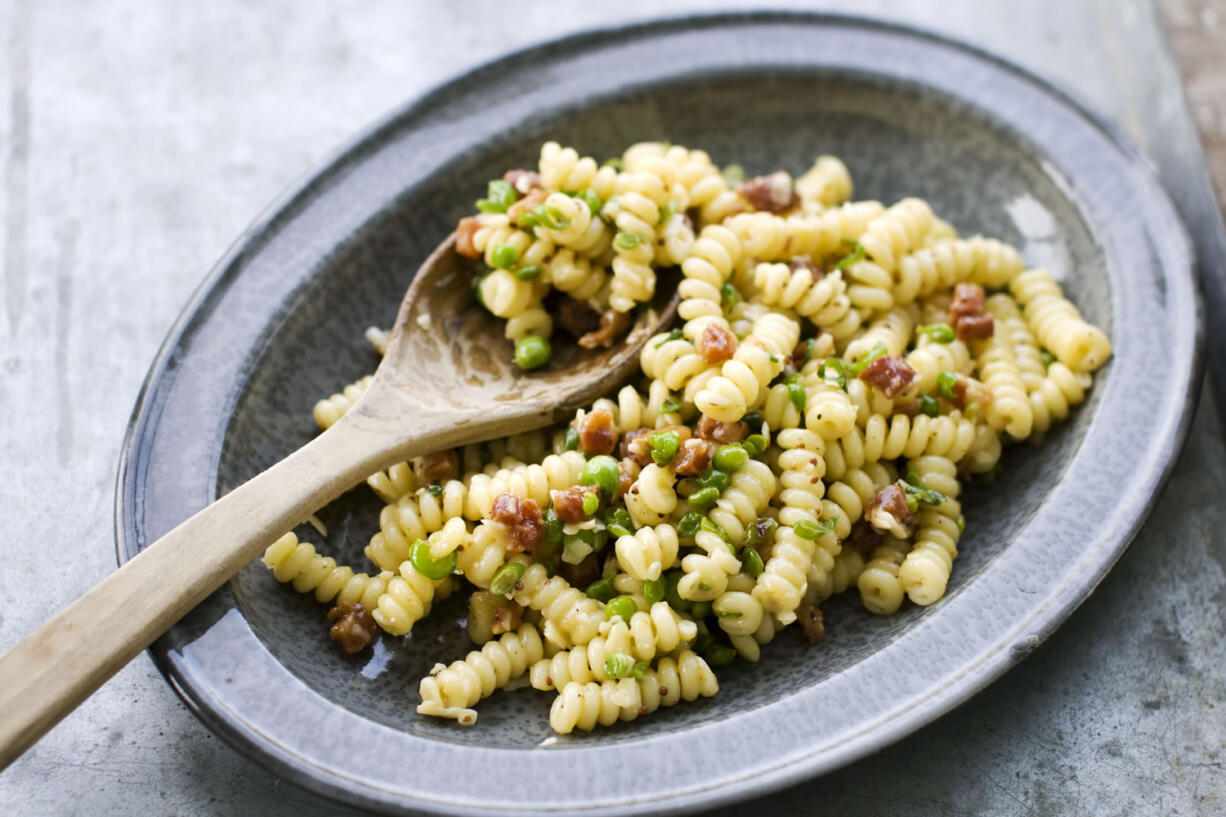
{"x": 1051, "y": 615}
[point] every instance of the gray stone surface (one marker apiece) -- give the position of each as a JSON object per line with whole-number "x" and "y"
{"x": 139, "y": 140}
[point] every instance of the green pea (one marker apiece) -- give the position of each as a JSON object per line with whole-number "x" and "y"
{"x": 667, "y": 211}
{"x": 592, "y": 201}
{"x": 622, "y": 606}
{"x": 833, "y": 373}
{"x": 664, "y": 446}
{"x": 591, "y": 503}
{"x": 730, "y": 295}
{"x": 602, "y": 472}
{"x": 528, "y": 273}
{"x": 730, "y": 457}
{"x": 672, "y": 404}
{"x": 760, "y": 531}
{"x": 855, "y": 257}
{"x": 532, "y": 352}
{"x": 751, "y": 561}
{"x": 913, "y": 477}
{"x": 427, "y": 565}
{"x": 553, "y": 527}
{"x": 627, "y": 241}
{"x": 879, "y": 350}
{"x": 703, "y": 642}
{"x": 754, "y": 421}
{"x": 755, "y": 444}
{"x": 618, "y": 522}
{"x": 945, "y": 385}
{"x": 796, "y": 393}
{"x": 961, "y": 524}
{"x": 571, "y": 441}
{"x": 499, "y": 196}
{"x": 639, "y": 670}
{"x": 705, "y": 497}
{"x": 504, "y": 256}
{"x": 939, "y": 332}
{"x": 721, "y": 655}
{"x": 671, "y": 579}
{"x": 506, "y": 578}
{"x": 477, "y": 290}
{"x": 929, "y": 405}
{"x": 653, "y": 591}
{"x": 434, "y": 489}
{"x": 601, "y": 590}
{"x": 1047, "y": 357}
{"x": 714, "y": 478}
{"x": 688, "y": 526}
{"x": 806, "y": 529}
{"x": 700, "y": 609}
{"x": 618, "y": 665}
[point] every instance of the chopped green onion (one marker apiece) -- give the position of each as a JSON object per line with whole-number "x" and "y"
{"x": 879, "y": 350}
{"x": 664, "y": 446}
{"x": 774, "y": 358}
{"x": 796, "y": 393}
{"x": 591, "y": 503}
{"x": 730, "y": 457}
{"x": 913, "y": 478}
{"x": 1047, "y": 357}
{"x": 618, "y": 665}
{"x": 553, "y": 527}
{"x": 855, "y": 257}
{"x": 602, "y": 472}
{"x": 592, "y": 201}
{"x": 689, "y": 524}
{"x": 667, "y": 211}
{"x": 571, "y": 441}
{"x": 924, "y": 495}
{"x": 676, "y": 334}
{"x": 961, "y": 524}
{"x": 639, "y": 670}
{"x": 627, "y": 241}
{"x": 544, "y": 215}
{"x": 733, "y": 175}
{"x": 755, "y": 444}
{"x": 499, "y": 196}
{"x": 506, "y": 578}
{"x": 621, "y": 607}
{"x": 945, "y": 385}
{"x": 700, "y": 609}
{"x": 435, "y": 489}
{"x": 653, "y": 590}
{"x": 617, "y": 522}
{"x": 711, "y": 527}
{"x": 751, "y": 561}
{"x": 601, "y": 590}
{"x": 929, "y": 405}
{"x": 833, "y": 373}
{"x": 721, "y": 655}
{"x": 939, "y": 332}
{"x": 672, "y": 404}
{"x": 809, "y": 344}
{"x": 504, "y": 256}
{"x": 529, "y": 273}
{"x": 808, "y": 529}
{"x": 704, "y": 498}
{"x": 760, "y": 531}
{"x": 729, "y": 294}
{"x": 427, "y": 565}
{"x": 532, "y": 352}
{"x": 615, "y": 162}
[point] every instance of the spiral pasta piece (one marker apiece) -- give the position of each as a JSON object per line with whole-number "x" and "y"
{"x": 896, "y": 232}
{"x": 299, "y": 564}
{"x": 710, "y": 263}
{"x": 1010, "y": 407}
{"x": 1058, "y": 324}
{"x": 881, "y": 591}
{"x": 924, "y": 573}
{"x": 412, "y": 517}
{"x": 563, "y": 169}
{"x": 848, "y": 565}
{"x": 406, "y": 600}
{"x": 846, "y": 498}
{"x": 749, "y": 491}
{"x": 830, "y": 233}
{"x": 758, "y": 359}
{"x": 395, "y": 482}
{"x": 648, "y": 552}
{"x": 331, "y": 409}
{"x": 823, "y": 301}
{"x": 451, "y": 691}
{"x": 675, "y": 362}
{"x": 949, "y": 435}
{"x": 893, "y": 330}
{"x": 580, "y": 230}
{"x": 827, "y": 183}
{"x": 651, "y": 497}
{"x": 574, "y": 615}
{"x": 929, "y": 359}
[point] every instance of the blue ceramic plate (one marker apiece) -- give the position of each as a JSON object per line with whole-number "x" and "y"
{"x": 279, "y": 323}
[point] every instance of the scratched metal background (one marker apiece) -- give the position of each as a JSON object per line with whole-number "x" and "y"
{"x": 139, "y": 139}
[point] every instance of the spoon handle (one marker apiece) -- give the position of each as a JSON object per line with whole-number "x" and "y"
{"x": 55, "y": 668}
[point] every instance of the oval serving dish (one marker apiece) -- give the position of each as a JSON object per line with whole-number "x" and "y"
{"x": 279, "y": 323}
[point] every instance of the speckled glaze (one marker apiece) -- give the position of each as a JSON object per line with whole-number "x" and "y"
{"x": 279, "y": 323}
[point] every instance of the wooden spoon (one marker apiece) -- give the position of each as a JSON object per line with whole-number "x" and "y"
{"x": 447, "y": 379}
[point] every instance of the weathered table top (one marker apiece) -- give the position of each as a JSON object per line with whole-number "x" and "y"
{"x": 139, "y": 139}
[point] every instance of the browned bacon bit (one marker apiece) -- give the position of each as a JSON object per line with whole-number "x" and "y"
{"x": 863, "y": 537}
{"x": 596, "y": 434}
{"x": 890, "y": 374}
{"x": 507, "y": 617}
{"x": 627, "y": 472}
{"x": 528, "y": 202}
{"x": 806, "y": 263}
{"x": 464, "y": 233}
{"x": 716, "y": 344}
{"x": 582, "y": 574}
{"x": 636, "y": 446}
{"x": 524, "y": 181}
{"x": 568, "y": 504}
{"x": 773, "y": 193}
{"x": 613, "y": 324}
{"x": 968, "y": 300}
{"x": 797, "y": 360}
{"x": 693, "y": 458}
{"x": 523, "y": 520}
{"x": 438, "y": 467}
{"x": 975, "y": 327}
{"x": 910, "y": 408}
{"x": 353, "y": 626}
{"x": 718, "y": 432}
{"x": 577, "y": 317}
{"x": 888, "y": 510}
{"x": 811, "y": 621}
